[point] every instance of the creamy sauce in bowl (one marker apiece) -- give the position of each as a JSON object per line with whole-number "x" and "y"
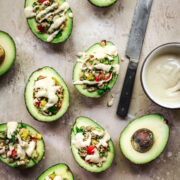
{"x": 161, "y": 77}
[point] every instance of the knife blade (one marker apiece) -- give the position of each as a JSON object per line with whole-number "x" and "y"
{"x": 133, "y": 52}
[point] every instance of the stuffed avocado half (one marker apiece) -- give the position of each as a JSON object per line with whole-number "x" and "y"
{"x": 102, "y": 3}
{"x": 21, "y": 146}
{"x": 50, "y": 20}
{"x": 97, "y": 69}
{"x": 57, "y": 172}
{"x": 7, "y": 52}
{"x": 144, "y": 139}
{"x": 46, "y": 95}
{"x": 91, "y": 145}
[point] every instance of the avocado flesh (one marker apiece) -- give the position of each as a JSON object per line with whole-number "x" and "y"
{"x": 40, "y": 148}
{"x": 160, "y": 130}
{"x": 102, "y": 3}
{"x": 77, "y": 70}
{"x": 84, "y": 121}
{"x": 7, "y": 58}
{"x": 44, "y": 36}
{"x": 59, "y": 169}
{"x": 45, "y": 71}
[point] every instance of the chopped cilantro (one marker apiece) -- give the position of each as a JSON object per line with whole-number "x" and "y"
{"x": 103, "y": 90}
{"x": 13, "y": 138}
{"x": 79, "y": 130}
{"x": 53, "y": 109}
{"x": 102, "y": 154}
{"x": 111, "y": 69}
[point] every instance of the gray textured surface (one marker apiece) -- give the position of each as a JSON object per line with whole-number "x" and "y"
{"x": 91, "y": 24}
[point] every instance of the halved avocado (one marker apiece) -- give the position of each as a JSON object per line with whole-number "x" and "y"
{"x": 144, "y": 139}
{"x": 61, "y": 37}
{"x": 45, "y": 71}
{"x": 84, "y": 121}
{"x": 40, "y": 148}
{"x": 102, "y": 3}
{"x": 60, "y": 169}
{"x": 7, "y": 52}
{"x": 77, "y": 69}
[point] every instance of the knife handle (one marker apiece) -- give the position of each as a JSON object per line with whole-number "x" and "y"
{"x": 127, "y": 90}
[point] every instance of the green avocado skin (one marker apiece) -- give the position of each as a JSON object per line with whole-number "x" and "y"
{"x": 9, "y": 47}
{"x": 61, "y": 168}
{"x": 41, "y": 148}
{"x": 102, "y": 3}
{"x": 33, "y": 26}
{"x": 29, "y": 93}
{"x": 151, "y": 122}
{"x": 89, "y": 122}
{"x": 76, "y": 74}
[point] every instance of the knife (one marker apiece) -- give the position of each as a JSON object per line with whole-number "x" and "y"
{"x": 133, "y": 52}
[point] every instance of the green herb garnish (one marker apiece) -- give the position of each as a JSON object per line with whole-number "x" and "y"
{"x": 103, "y": 90}
{"x": 79, "y": 130}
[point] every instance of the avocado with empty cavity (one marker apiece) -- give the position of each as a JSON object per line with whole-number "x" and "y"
{"x": 102, "y": 3}
{"x": 144, "y": 139}
{"x": 7, "y": 52}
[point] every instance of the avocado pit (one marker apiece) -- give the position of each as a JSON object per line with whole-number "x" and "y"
{"x": 142, "y": 140}
{"x": 2, "y": 54}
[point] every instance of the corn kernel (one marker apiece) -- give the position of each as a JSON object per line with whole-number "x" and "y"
{"x": 38, "y": 136}
{"x": 56, "y": 81}
{"x": 90, "y": 77}
{"x": 52, "y": 176}
{"x": 25, "y": 134}
{"x": 43, "y": 102}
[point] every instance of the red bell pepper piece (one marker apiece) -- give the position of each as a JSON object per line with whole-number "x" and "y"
{"x": 90, "y": 149}
{"x": 99, "y": 77}
{"x": 13, "y": 153}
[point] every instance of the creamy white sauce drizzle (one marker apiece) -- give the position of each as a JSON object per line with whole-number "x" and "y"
{"x": 100, "y": 53}
{"x": 30, "y": 148}
{"x": 46, "y": 13}
{"x": 57, "y": 23}
{"x": 95, "y": 158}
{"x": 78, "y": 141}
{"x": 163, "y": 78}
{"x": 71, "y": 15}
{"x": 57, "y": 178}
{"x": 11, "y": 127}
{"x": 107, "y": 68}
{"x": 47, "y": 89}
{"x": 104, "y": 140}
{"x": 29, "y": 12}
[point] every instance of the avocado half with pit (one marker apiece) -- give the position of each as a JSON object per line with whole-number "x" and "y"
{"x": 60, "y": 169}
{"x": 84, "y": 121}
{"x": 77, "y": 70}
{"x": 61, "y": 36}
{"x": 40, "y": 148}
{"x": 29, "y": 90}
{"x": 7, "y": 52}
{"x": 144, "y": 139}
{"x": 102, "y": 3}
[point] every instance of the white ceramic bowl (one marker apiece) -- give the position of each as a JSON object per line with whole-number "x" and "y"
{"x": 172, "y": 48}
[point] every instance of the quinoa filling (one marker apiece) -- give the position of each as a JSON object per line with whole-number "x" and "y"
{"x": 54, "y": 176}
{"x": 50, "y": 17}
{"x": 18, "y": 144}
{"x": 48, "y": 95}
{"x": 92, "y": 144}
{"x": 98, "y": 68}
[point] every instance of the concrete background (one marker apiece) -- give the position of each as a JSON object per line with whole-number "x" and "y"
{"x": 91, "y": 24}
